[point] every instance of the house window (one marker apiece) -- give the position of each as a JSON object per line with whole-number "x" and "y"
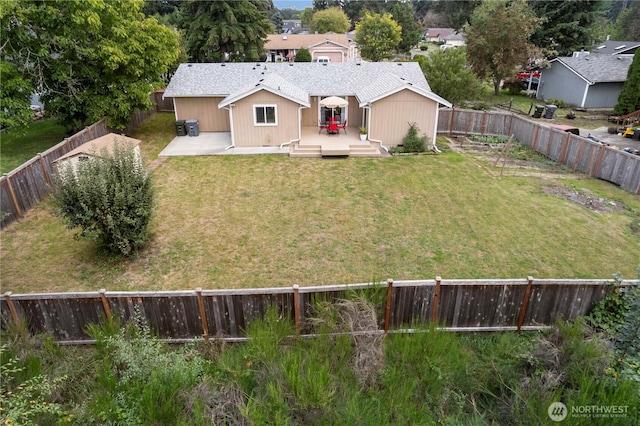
{"x": 265, "y": 115}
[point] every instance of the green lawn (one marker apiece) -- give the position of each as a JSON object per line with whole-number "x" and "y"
{"x": 19, "y": 145}
{"x": 245, "y": 221}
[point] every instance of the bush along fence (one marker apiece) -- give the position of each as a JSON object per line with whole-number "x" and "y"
{"x": 580, "y": 154}
{"x": 24, "y": 187}
{"x": 181, "y": 316}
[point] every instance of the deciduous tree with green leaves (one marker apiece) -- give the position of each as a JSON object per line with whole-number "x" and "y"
{"x": 221, "y": 31}
{"x": 378, "y": 36}
{"x": 88, "y": 58}
{"x": 629, "y": 98}
{"x": 448, "y": 75}
{"x": 497, "y": 38}
{"x": 329, "y": 20}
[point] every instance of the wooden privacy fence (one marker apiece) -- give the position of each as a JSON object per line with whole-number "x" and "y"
{"x": 24, "y": 187}
{"x": 463, "y": 305}
{"x": 578, "y": 153}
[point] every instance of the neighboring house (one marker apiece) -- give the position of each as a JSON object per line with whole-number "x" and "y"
{"x": 273, "y": 104}
{"x": 589, "y": 82}
{"x": 611, "y": 47}
{"x": 436, "y": 35}
{"x": 283, "y": 47}
{"x": 95, "y": 148}
{"x": 291, "y": 26}
{"x": 454, "y": 40}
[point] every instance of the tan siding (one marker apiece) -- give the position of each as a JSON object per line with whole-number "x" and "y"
{"x": 355, "y": 114}
{"x": 205, "y": 110}
{"x": 390, "y": 117}
{"x": 247, "y": 134}
{"x": 310, "y": 115}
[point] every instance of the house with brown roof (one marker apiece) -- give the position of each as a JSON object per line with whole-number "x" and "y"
{"x": 437, "y": 35}
{"x": 337, "y": 47}
{"x": 281, "y": 104}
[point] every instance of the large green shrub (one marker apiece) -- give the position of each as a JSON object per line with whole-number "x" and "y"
{"x": 109, "y": 197}
{"x": 303, "y": 55}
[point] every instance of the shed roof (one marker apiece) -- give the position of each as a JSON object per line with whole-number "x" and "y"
{"x": 598, "y": 68}
{"x": 296, "y": 41}
{"x": 95, "y": 146}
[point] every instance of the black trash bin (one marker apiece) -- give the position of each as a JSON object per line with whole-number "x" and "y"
{"x": 181, "y": 128}
{"x": 549, "y": 111}
{"x": 192, "y": 127}
{"x": 537, "y": 113}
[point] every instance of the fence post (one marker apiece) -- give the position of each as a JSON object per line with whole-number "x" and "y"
{"x": 565, "y": 147}
{"x": 599, "y": 162}
{"x": 12, "y": 309}
{"x": 105, "y": 303}
{"x": 203, "y": 315}
{"x": 525, "y": 303}
{"x": 484, "y": 123}
{"x": 44, "y": 169}
{"x": 577, "y": 160}
{"x": 387, "y": 310}
{"x": 535, "y": 137}
{"x": 436, "y": 300}
{"x": 453, "y": 111}
{"x": 296, "y": 307}
{"x": 13, "y": 195}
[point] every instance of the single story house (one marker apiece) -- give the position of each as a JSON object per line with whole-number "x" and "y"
{"x": 337, "y": 47}
{"x": 590, "y": 82}
{"x": 95, "y": 148}
{"x": 271, "y": 104}
{"x": 454, "y": 40}
{"x": 436, "y": 35}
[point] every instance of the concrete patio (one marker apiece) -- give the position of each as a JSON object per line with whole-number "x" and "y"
{"x": 312, "y": 144}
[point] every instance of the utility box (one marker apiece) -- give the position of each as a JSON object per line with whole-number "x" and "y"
{"x": 537, "y": 113}
{"x": 181, "y": 128}
{"x": 192, "y": 127}
{"x": 549, "y": 111}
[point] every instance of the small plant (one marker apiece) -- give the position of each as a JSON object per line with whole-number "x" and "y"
{"x": 609, "y": 313}
{"x": 412, "y": 142}
{"x": 363, "y": 130}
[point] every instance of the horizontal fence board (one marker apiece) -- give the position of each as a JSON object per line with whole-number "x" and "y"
{"x": 175, "y": 315}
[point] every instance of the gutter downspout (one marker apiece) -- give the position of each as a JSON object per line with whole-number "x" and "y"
{"x": 369, "y": 138}
{"x": 233, "y": 139}
{"x": 434, "y": 148}
{"x": 584, "y": 96}
{"x": 299, "y": 128}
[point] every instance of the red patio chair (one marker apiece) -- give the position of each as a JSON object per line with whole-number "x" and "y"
{"x": 322, "y": 127}
{"x": 343, "y": 126}
{"x": 333, "y": 127}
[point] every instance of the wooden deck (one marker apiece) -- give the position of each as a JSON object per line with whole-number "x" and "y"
{"x": 343, "y": 144}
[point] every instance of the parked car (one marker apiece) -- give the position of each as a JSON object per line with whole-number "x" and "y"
{"x": 322, "y": 59}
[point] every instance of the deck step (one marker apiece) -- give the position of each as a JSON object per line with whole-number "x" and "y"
{"x": 335, "y": 151}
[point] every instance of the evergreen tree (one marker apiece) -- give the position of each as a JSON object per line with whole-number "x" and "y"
{"x": 627, "y": 25}
{"x": 276, "y": 21}
{"x": 566, "y": 26}
{"x": 404, "y": 16}
{"x": 629, "y": 99}
{"x": 303, "y": 55}
{"x": 221, "y": 31}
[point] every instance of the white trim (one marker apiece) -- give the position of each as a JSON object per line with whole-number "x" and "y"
{"x": 175, "y": 110}
{"x": 230, "y": 99}
{"x": 435, "y": 128}
{"x": 325, "y": 42}
{"x": 265, "y": 106}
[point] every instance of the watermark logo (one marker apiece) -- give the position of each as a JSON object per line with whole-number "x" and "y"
{"x": 557, "y": 411}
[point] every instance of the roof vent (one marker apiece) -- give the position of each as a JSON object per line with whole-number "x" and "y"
{"x": 190, "y": 65}
{"x": 399, "y": 64}
{"x": 261, "y": 80}
{"x": 257, "y": 65}
{"x": 602, "y": 46}
{"x": 620, "y": 47}
{"x": 324, "y": 64}
{"x": 222, "y": 65}
{"x": 290, "y": 64}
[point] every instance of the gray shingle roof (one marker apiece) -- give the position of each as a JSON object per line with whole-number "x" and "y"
{"x": 340, "y": 78}
{"x": 611, "y": 47}
{"x": 599, "y": 68}
{"x": 275, "y": 84}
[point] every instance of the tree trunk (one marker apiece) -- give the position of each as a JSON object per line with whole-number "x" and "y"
{"x": 496, "y": 87}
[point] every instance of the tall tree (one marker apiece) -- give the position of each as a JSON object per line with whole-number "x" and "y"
{"x": 220, "y": 31}
{"x": 403, "y": 14}
{"x": 457, "y": 12}
{"x": 566, "y": 26}
{"x": 626, "y": 26}
{"x": 497, "y": 38}
{"x": 89, "y": 59}
{"x": 306, "y": 16}
{"x": 448, "y": 75}
{"x": 331, "y": 20}
{"x": 377, "y": 36}
{"x": 629, "y": 99}
{"x": 277, "y": 21}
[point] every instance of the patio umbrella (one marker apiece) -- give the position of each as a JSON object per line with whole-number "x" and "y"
{"x": 333, "y": 102}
